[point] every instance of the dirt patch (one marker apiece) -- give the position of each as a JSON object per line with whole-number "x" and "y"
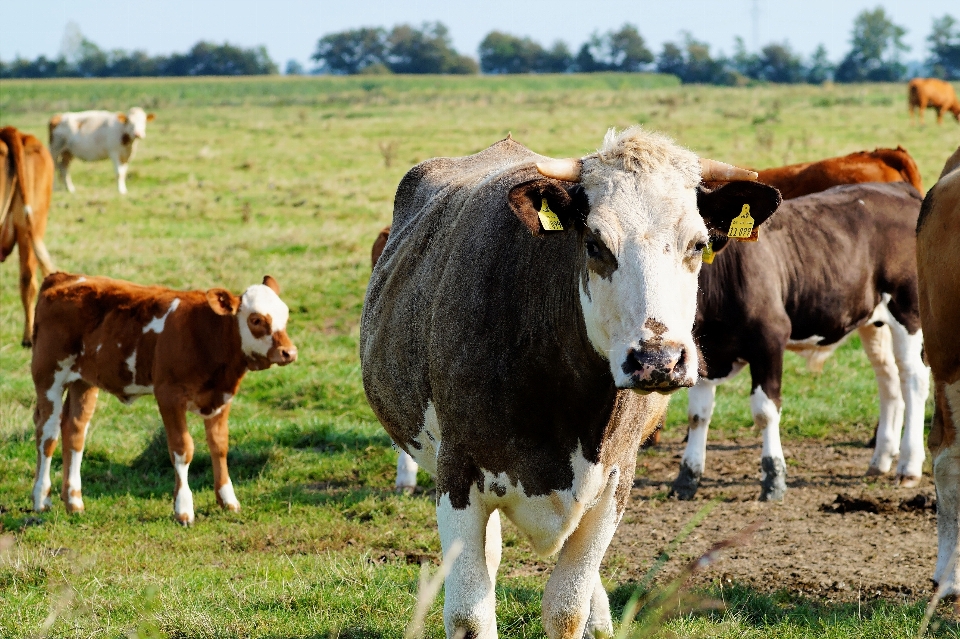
{"x": 837, "y": 535}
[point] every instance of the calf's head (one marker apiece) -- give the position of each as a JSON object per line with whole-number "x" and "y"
{"x": 262, "y": 322}
{"x": 643, "y": 224}
{"x": 134, "y": 124}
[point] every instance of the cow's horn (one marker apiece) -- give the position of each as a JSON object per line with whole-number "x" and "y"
{"x": 567, "y": 170}
{"x": 722, "y": 172}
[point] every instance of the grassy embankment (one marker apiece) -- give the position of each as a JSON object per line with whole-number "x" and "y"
{"x": 294, "y": 177}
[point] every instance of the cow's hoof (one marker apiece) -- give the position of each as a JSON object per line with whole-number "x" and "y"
{"x": 26, "y": 343}
{"x": 404, "y": 490}
{"x": 905, "y": 481}
{"x": 873, "y": 471}
{"x": 74, "y": 508}
{"x": 185, "y": 519}
{"x": 234, "y": 508}
{"x": 773, "y": 485}
{"x": 686, "y": 484}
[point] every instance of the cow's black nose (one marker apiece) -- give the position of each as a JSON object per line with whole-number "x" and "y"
{"x": 657, "y": 367}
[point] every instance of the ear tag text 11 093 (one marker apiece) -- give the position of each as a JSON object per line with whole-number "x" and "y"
{"x": 548, "y": 218}
{"x": 708, "y": 253}
{"x": 742, "y": 227}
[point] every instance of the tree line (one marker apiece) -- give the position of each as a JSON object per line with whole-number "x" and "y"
{"x": 876, "y": 50}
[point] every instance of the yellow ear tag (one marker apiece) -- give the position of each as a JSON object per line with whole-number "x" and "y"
{"x": 548, "y": 218}
{"x": 708, "y": 253}
{"x": 741, "y": 228}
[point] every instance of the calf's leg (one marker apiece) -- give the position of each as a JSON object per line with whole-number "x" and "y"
{"x": 878, "y": 344}
{"x": 766, "y": 372}
{"x": 174, "y": 414}
{"x": 700, "y": 404}
{"x": 406, "y": 472}
{"x": 50, "y": 380}
{"x": 945, "y": 448}
{"x": 469, "y": 605}
{"x": 218, "y": 441}
{"x": 574, "y": 602}
{"x": 81, "y": 401}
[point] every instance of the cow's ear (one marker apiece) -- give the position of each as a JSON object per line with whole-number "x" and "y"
{"x": 719, "y": 206}
{"x": 271, "y": 283}
{"x": 546, "y": 206}
{"x": 122, "y": 117}
{"x": 151, "y": 117}
{"x": 223, "y": 302}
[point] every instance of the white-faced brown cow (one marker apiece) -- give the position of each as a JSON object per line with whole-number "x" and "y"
{"x": 97, "y": 135}
{"x": 523, "y": 366}
{"x": 830, "y": 263}
{"x": 26, "y": 186}
{"x": 189, "y": 349}
{"x": 938, "y": 268}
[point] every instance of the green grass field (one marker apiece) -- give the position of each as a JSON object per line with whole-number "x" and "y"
{"x": 295, "y": 177}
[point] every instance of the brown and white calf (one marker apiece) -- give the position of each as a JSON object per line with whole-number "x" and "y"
{"x": 189, "y": 349}
{"x": 26, "y": 186}
{"x": 520, "y": 333}
{"x": 97, "y": 135}
{"x": 830, "y": 263}
{"x": 938, "y": 268}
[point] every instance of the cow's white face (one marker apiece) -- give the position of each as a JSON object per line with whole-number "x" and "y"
{"x": 643, "y": 241}
{"x": 136, "y": 124}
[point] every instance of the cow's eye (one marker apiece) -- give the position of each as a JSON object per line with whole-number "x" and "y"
{"x": 593, "y": 248}
{"x": 256, "y": 321}
{"x": 699, "y": 246}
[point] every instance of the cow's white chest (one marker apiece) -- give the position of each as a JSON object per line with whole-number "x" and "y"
{"x": 547, "y": 520}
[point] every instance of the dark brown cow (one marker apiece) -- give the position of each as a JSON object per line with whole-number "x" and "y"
{"x": 935, "y": 94}
{"x": 938, "y": 268}
{"x": 829, "y": 264}
{"x": 519, "y": 334}
{"x": 26, "y": 185}
{"x": 189, "y": 349}
{"x": 879, "y": 165}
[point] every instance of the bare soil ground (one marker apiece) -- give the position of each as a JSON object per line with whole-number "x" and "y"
{"x": 878, "y": 541}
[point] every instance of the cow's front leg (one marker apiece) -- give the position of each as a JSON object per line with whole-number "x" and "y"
{"x": 573, "y": 607}
{"x": 699, "y": 411}
{"x": 945, "y": 448}
{"x": 766, "y": 372}
{"x": 173, "y": 411}
{"x": 120, "y": 168}
{"x": 915, "y": 386}
{"x": 81, "y": 401}
{"x": 469, "y": 607}
{"x": 63, "y": 160}
{"x": 406, "y": 472}
{"x": 218, "y": 441}
{"x": 878, "y": 344}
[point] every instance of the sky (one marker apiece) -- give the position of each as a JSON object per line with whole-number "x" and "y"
{"x": 290, "y": 28}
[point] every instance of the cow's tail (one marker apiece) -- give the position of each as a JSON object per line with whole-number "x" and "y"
{"x": 15, "y": 143}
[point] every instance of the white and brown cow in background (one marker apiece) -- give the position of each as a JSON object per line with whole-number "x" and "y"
{"x": 830, "y": 263}
{"x": 189, "y": 349}
{"x": 938, "y": 268}
{"x": 26, "y": 187}
{"x": 97, "y": 135}
{"x": 522, "y": 366}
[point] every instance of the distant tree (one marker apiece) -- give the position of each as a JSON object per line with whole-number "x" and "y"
{"x": 293, "y": 68}
{"x": 876, "y": 44}
{"x": 778, "y": 63}
{"x": 348, "y": 52}
{"x": 671, "y": 60}
{"x": 692, "y": 63}
{"x": 623, "y": 50}
{"x": 944, "y": 42}
{"x": 207, "y": 58}
{"x": 504, "y": 53}
{"x": 820, "y": 68}
{"x": 425, "y": 50}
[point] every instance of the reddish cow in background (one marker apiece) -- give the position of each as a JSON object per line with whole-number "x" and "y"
{"x": 26, "y": 185}
{"x": 189, "y": 349}
{"x": 935, "y": 94}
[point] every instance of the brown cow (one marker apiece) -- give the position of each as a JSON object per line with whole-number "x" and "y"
{"x": 189, "y": 349}
{"x": 933, "y": 93}
{"x": 938, "y": 269}
{"x": 879, "y": 165}
{"x": 26, "y": 184}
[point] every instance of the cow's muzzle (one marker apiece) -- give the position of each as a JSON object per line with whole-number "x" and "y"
{"x": 283, "y": 355}
{"x": 660, "y": 367}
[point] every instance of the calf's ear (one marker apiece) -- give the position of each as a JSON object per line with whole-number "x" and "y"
{"x": 529, "y": 200}
{"x": 271, "y": 283}
{"x": 718, "y": 207}
{"x": 222, "y": 301}
{"x": 151, "y": 117}
{"x": 122, "y": 117}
